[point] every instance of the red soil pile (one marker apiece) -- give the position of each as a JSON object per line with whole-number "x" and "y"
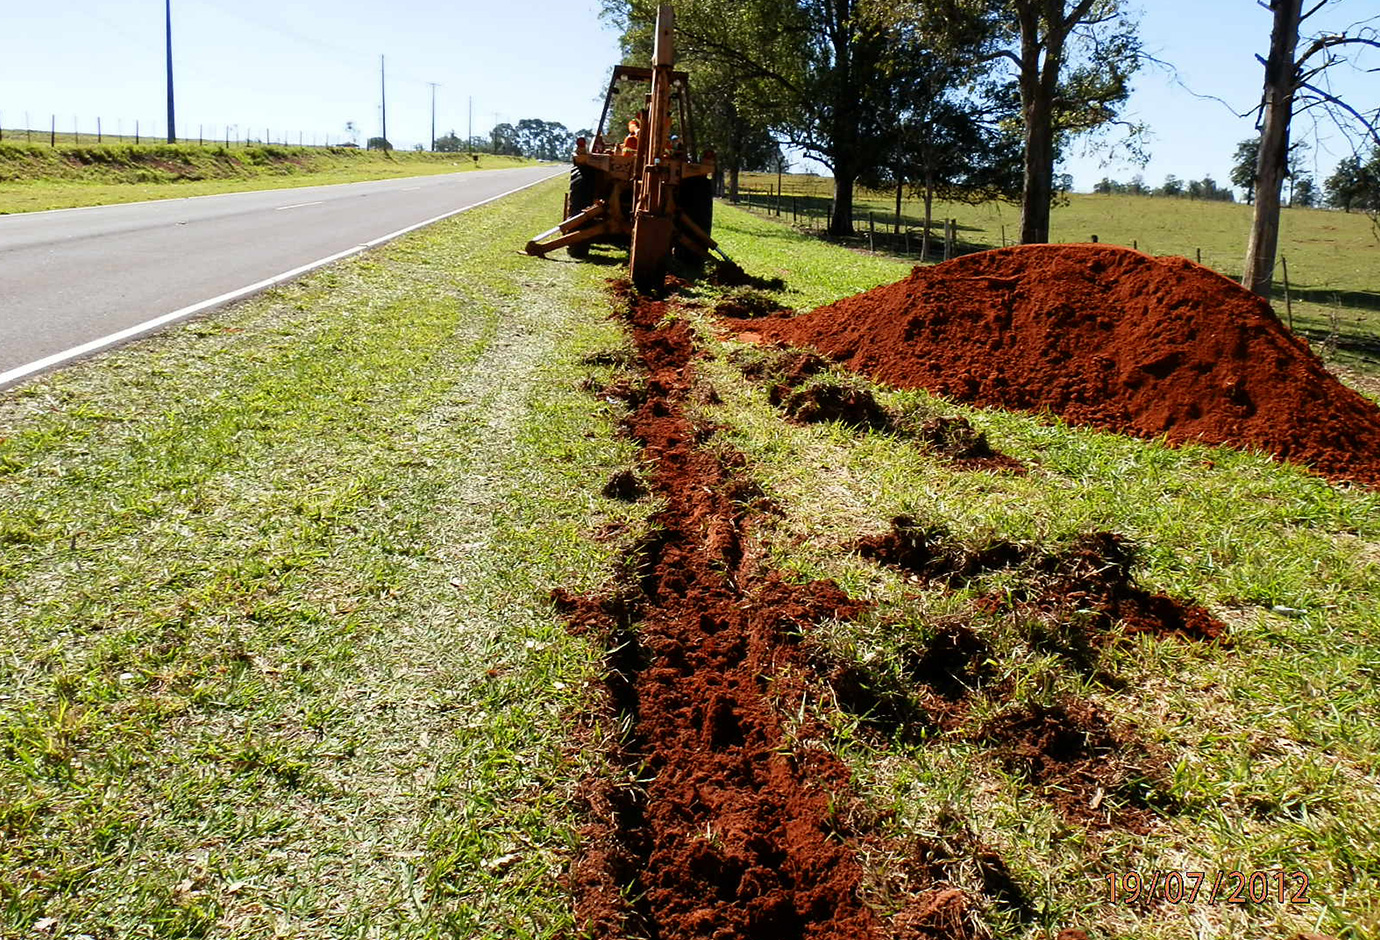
{"x": 1101, "y": 336}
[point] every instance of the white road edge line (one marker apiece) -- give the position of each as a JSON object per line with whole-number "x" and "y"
{"x": 303, "y": 205}
{"x": 94, "y": 345}
{"x": 251, "y": 192}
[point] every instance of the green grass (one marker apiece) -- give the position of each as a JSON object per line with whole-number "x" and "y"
{"x": 277, "y": 655}
{"x": 1333, "y": 257}
{"x": 35, "y": 177}
{"x": 1274, "y": 762}
{"x": 276, "y": 650}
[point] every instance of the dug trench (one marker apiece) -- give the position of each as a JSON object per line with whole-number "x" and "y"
{"x": 722, "y": 828}
{"x": 717, "y": 821}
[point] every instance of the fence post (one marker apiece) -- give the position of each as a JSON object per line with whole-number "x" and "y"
{"x": 52, "y": 132}
{"x": 1288, "y": 303}
{"x": 1200, "y": 256}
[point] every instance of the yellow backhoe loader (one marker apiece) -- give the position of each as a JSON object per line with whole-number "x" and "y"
{"x": 652, "y": 191}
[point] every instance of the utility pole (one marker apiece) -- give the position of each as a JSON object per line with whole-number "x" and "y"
{"x": 433, "y": 114}
{"x": 172, "y": 124}
{"x": 383, "y": 98}
{"x": 469, "y": 143}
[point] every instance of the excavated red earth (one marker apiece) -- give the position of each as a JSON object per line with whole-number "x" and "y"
{"x": 1102, "y": 336}
{"x": 735, "y": 834}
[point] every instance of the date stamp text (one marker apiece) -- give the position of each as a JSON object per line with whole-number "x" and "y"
{"x": 1265, "y": 886}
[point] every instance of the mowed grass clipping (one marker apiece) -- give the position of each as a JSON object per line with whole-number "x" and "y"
{"x": 1333, "y": 257}
{"x": 36, "y": 177}
{"x": 1272, "y": 752}
{"x": 276, "y": 651}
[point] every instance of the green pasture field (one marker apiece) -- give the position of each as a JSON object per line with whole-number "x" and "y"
{"x": 34, "y": 177}
{"x": 278, "y": 658}
{"x": 1333, "y": 257}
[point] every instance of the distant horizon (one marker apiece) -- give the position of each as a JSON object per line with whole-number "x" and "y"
{"x": 302, "y": 71}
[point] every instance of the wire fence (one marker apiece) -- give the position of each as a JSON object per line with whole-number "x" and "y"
{"x": 100, "y": 131}
{"x": 1337, "y": 316}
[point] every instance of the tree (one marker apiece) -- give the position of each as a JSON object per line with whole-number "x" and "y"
{"x": 543, "y": 140}
{"x": 1073, "y": 61}
{"x": 822, "y": 72}
{"x": 1355, "y": 185}
{"x": 505, "y": 140}
{"x": 944, "y": 142}
{"x": 1305, "y": 193}
{"x": 1290, "y": 86}
{"x": 1172, "y": 186}
{"x": 727, "y": 96}
{"x": 378, "y": 143}
{"x": 450, "y": 144}
{"x": 1247, "y": 156}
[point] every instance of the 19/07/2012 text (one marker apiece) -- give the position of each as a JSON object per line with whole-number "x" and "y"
{"x": 1227, "y": 887}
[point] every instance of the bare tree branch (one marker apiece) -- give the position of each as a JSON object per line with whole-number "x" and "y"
{"x": 1329, "y": 42}
{"x": 1367, "y": 124}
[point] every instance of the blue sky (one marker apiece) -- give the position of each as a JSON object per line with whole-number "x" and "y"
{"x": 307, "y": 67}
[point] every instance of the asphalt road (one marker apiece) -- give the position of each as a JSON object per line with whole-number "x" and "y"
{"x": 77, "y": 280}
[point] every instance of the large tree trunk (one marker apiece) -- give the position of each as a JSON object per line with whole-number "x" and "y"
{"x": 841, "y": 224}
{"x": 1273, "y": 160}
{"x": 1038, "y": 196}
{"x": 899, "y": 187}
{"x": 733, "y": 183}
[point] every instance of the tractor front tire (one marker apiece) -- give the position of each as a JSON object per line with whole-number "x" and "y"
{"x": 582, "y": 186}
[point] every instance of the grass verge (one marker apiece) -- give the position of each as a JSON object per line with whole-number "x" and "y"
{"x": 35, "y": 178}
{"x": 278, "y": 657}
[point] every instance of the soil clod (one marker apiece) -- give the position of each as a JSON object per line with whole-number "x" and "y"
{"x": 1070, "y": 752}
{"x": 625, "y": 486}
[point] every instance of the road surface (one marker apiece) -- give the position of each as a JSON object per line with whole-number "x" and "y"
{"x": 77, "y": 280}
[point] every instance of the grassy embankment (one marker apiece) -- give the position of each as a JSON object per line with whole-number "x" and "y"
{"x": 1334, "y": 258}
{"x": 278, "y": 656}
{"x": 35, "y": 177}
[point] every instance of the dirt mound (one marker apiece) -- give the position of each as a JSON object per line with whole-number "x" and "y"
{"x": 1102, "y": 336}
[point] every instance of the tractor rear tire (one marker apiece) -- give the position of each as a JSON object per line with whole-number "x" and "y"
{"x": 696, "y": 200}
{"x": 582, "y": 185}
